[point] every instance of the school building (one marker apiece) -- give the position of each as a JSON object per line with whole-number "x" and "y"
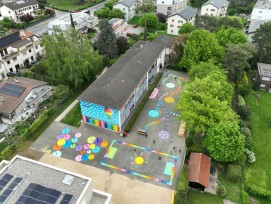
{"x": 111, "y": 99}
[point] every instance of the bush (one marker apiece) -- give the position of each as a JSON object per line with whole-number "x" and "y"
{"x": 246, "y": 124}
{"x": 50, "y": 12}
{"x": 251, "y": 158}
{"x": 221, "y": 191}
{"x": 241, "y": 100}
{"x": 188, "y": 141}
{"x": 234, "y": 173}
{"x": 257, "y": 191}
{"x": 162, "y": 26}
{"x": 245, "y": 197}
{"x": 243, "y": 111}
{"x": 241, "y": 161}
{"x": 162, "y": 17}
{"x": 246, "y": 131}
{"x": 134, "y": 36}
{"x": 183, "y": 179}
{"x": 249, "y": 143}
{"x": 181, "y": 197}
{"x": 243, "y": 90}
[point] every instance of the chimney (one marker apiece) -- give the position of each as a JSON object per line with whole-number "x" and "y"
{"x": 22, "y": 34}
{"x": 2, "y": 98}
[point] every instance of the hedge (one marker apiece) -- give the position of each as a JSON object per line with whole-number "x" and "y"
{"x": 257, "y": 191}
{"x": 234, "y": 172}
{"x": 141, "y": 105}
{"x": 183, "y": 179}
{"x": 244, "y": 196}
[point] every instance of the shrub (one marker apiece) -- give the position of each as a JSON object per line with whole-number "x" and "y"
{"x": 161, "y": 17}
{"x": 246, "y": 131}
{"x": 134, "y": 36}
{"x": 50, "y": 12}
{"x": 245, "y": 197}
{"x": 241, "y": 161}
{"x": 181, "y": 197}
{"x": 183, "y": 179}
{"x": 243, "y": 111}
{"x": 249, "y": 143}
{"x": 250, "y": 156}
{"x": 241, "y": 100}
{"x": 243, "y": 90}
{"x": 162, "y": 26}
{"x": 234, "y": 172}
{"x": 257, "y": 191}
{"x": 26, "y": 18}
{"x": 188, "y": 141}
{"x": 221, "y": 191}
{"x": 247, "y": 124}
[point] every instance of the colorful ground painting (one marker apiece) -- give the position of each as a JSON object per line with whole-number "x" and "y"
{"x": 139, "y": 161}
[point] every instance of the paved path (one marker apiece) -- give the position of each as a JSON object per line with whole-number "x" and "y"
{"x": 124, "y": 190}
{"x": 64, "y": 113}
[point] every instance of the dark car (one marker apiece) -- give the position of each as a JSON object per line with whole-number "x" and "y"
{"x": 135, "y": 26}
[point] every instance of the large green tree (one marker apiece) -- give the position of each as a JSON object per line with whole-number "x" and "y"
{"x": 261, "y": 39}
{"x": 102, "y": 12}
{"x": 107, "y": 42}
{"x": 230, "y": 35}
{"x": 70, "y": 59}
{"x": 201, "y": 46}
{"x": 116, "y": 13}
{"x": 150, "y": 19}
{"x": 205, "y": 102}
{"x": 225, "y": 142}
{"x": 186, "y": 28}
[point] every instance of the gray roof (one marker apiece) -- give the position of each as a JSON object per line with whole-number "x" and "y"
{"x": 20, "y": 4}
{"x": 264, "y": 69}
{"x": 217, "y": 3}
{"x": 255, "y": 24}
{"x": 165, "y": 40}
{"x": 114, "y": 87}
{"x": 22, "y": 43}
{"x": 186, "y": 13}
{"x": 127, "y": 3}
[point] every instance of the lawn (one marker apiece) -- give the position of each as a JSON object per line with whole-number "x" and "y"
{"x": 67, "y": 5}
{"x": 73, "y": 117}
{"x": 134, "y": 20}
{"x": 195, "y": 197}
{"x": 259, "y": 173}
{"x": 233, "y": 189}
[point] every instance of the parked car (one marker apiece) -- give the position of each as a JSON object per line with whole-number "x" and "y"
{"x": 135, "y": 26}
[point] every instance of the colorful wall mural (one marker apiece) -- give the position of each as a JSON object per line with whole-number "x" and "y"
{"x": 100, "y": 116}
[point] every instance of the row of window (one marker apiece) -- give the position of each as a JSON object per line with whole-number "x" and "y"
{"x": 179, "y": 21}
{"x": 171, "y": 25}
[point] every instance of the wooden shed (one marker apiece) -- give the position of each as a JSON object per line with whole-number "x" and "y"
{"x": 199, "y": 171}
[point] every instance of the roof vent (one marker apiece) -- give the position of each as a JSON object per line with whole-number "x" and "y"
{"x": 141, "y": 46}
{"x": 68, "y": 179}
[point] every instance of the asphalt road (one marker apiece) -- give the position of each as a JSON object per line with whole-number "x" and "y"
{"x": 41, "y": 28}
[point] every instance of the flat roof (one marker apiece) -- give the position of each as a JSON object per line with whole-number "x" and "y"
{"x": 44, "y": 175}
{"x": 264, "y": 69}
{"x": 263, "y": 4}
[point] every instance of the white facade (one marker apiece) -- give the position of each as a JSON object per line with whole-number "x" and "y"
{"x": 15, "y": 14}
{"x": 82, "y": 22}
{"x": 261, "y": 10}
{"x": 20, "y": 54}
{"x": 129, "y": 11}
{"x": 168, "y": 7}
{"x": 214, "y": 8}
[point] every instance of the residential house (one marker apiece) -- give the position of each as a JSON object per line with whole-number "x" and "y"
{"x": 111, "y": 99}
{"x": 18, "y": 8}
{"x": 214, "y": 8}
{"x": 82, "y": 22}
{"x": 119, "y": 26}
{"x": 261, "y": 14}
{"x": 168, "y": 7}
{"x": 25, "y": 180}
{"x": 264, "y": 76}
{"x": 199, "y": 171}
{"x": 175, "y": 21}
{"x": 128, "y": 7}
{"x": 19, "y": 97}
{"x": 17, "y": 50}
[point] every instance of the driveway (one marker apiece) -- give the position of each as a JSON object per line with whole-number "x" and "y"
{"x": 132, "y": 30}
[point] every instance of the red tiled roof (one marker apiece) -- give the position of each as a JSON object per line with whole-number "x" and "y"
{"x": 199, "y": 168}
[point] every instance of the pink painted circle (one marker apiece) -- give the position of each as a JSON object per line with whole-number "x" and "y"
{"x": 77, "y": 135}
{"x": 78, "y": 158}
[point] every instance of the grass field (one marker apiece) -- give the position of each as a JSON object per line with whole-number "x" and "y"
{"x": 73, "y": 117}
{"x": 134, "y": 20}
{"x": 195, "y": 197}
{"x": 70, "y": 4}
{"x": 259, "y": 173}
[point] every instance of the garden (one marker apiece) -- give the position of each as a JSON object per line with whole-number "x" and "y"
{"x": 68, "y": 5}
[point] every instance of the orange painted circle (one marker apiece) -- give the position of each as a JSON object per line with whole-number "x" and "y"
{"x": 83, "y": 152}
{"x": 104, "y": 143}
{"x": 57, "y": 147}
{"x": 91, "y": 157}
{"x": 169, "y": 99}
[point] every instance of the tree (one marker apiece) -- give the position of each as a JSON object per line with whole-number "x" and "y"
{"x": 162, "y": 17}
{"x": 123, "y": 44}
{"x": 206, "y": 102}
{"x": 145, "y": 8}
{"x": 261, "y": 39}
{"x": 116, "y": 13}
{"x": 26, "y": 18}
{"x": 150, "y": 19}
{"x": 201, "y": 46}
{"x": 106, "y": 43}
{"x": 70, "y": 59}
{"x": 50, "y": 12}
{"x": 110, "y": 4}
{"x": 102, "y": 12}
{"x": 60, "y": 90}
{"x": 186, "y": 28}
{"x": 204, "y": 69}
{"x": 230, "y": 35}
{"x": 225, "y": 142}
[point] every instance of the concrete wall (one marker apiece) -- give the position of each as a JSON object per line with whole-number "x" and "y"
{"x": 261, "y": 14}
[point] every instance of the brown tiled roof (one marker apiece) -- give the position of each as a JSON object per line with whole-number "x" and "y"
{"x": 199, "y": 168}
{"x": 10, "y": 103}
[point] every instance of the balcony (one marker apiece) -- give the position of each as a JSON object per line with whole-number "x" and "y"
{"x": 10, "y": 55}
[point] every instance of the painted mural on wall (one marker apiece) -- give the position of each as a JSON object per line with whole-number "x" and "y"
{"x": 99, "y": 112}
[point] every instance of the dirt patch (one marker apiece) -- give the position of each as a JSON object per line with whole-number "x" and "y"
{"x": 29, "y": 153}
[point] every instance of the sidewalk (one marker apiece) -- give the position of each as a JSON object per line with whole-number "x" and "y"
{"x": 64, "y": 113}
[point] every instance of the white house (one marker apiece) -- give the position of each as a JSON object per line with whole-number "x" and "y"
{"x": 16, "y": 9}
{"x": 169, "y": 7}
{"x": 119, "y": 26}
{"x": 128, "y": 7}
{"x": 19, "y": 97}
{"x": 175, "y": 21}
{"x": 18, "y": 50}
{"x": 82, "y": 21}
{"x": 214, "y": 8}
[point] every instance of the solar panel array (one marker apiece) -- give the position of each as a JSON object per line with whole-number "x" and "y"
{"x": 9, "y": 190}
{"x": 37, "y": 194}
{"x": 9, "y": 39}
{"x": 12, "y": 89}
{"x": 3, "y": 182}
{"x": 66, "y": 199}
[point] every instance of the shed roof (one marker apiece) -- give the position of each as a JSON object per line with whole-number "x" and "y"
{"x": 199, "y": 168}
{"x": 114, "y": 87}
{"x": 217, "y": 3}
{"x": 127, "y": 3}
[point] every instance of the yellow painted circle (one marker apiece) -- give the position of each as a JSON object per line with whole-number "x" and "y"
{"x": 48, "y": 151}
{"x": 61, "y": 142}
{"x": 91, "y": 139}
{"x": 91, "y": 156}
{"x": 169, "y": 100}
{"x": 139, "y": 160}
{"x": 92, "y": 146}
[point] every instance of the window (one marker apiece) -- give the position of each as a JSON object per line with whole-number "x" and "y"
{"x": 8, "y": 11}
{"x": 37, "y": 47}
{"x": 171, "y": 31}
{"x": 15, "y": 58}
{"x": 179, "y": 26}
{"x": 179, "y": 21}
{"x": 169, "y": 8}
{"x": 172, "y": 20}
{"x": 8, "y": 62}
{"x": 212, "y": 10}
{"x": 30, "y": 50}
{"x": 123, "y": 9}
{"x": 260, "y": 11}
{"x": 171, "y": 25}
{"x": 163, "y": 2}
{"x": 206, "y": 9}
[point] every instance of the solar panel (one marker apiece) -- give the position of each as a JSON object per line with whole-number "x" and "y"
{"x": 9, "y": 39}
{"x": 12, "y": 89}
{"x": 66, "y": 199}
{"x": 4, "y": 181}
